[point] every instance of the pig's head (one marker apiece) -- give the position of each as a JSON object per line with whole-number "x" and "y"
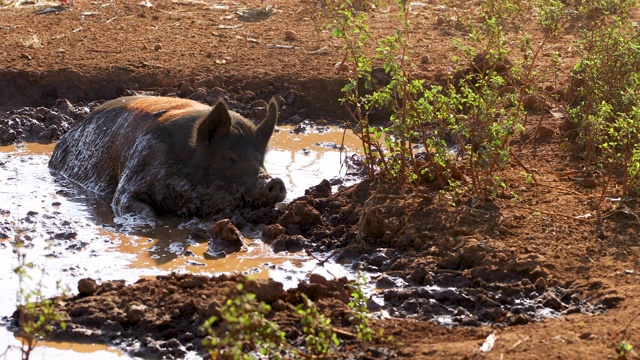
{"x": 234, "y": 149}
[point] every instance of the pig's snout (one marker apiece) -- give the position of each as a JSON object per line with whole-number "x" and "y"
{"x": 275, "y": 190}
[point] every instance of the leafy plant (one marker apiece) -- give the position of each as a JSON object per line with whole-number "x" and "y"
{"x": 319, "y": 335}
{"x": 624, "y": 348}
{"x": 606, "y": 108}
{"x": 243, "y": 328}
{"x": 358, "y": 304}
{"x": 36, "y": 315}
{"x": 599, "y": 8}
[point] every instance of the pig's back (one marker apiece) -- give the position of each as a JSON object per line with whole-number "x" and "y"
{"x": 95, "y": 151}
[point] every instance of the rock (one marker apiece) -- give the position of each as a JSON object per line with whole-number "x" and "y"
{"x": 418, "y": 274}
{"x": 225, "y": 239}
{"x": 136, "y": 312}
{"x": 193, "y": 281}
{"x": 300, "y": 213}
{"x": 290, "y": 243}
{"x": 342, "y": 67}
{"x": 612, "y": 301}
{"x": 544, "y": 133}
{"x": 290, "y": 35}
{"x": 541, "y": 284}
{"x": 590, "y": 182}
{"x": 186, "y": 89}
{"x": 518, "y": 319}
{"x": 532, "y": 102}
{"x": 87, "y": 286}
{"x": 266, "y": 290}
{"x": 212, "y": 309}
{"x": 199, "y": 234}
{"x": 259, "y": 109}
{"x": 385, "y": 282}
{"x": 322, "y": 190}
{"x": 318, "y": 279}
{"x": 567, "y": 125}
{"x": 271, "y": 232}
{"x": 400, "y": 264}
{"x": 552, "y": 302}
{"x": 199, "y": 94}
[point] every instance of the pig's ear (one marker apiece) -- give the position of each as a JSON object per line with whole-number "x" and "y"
{"x": 216, "y": 125}
{"x": 265, "y": 129}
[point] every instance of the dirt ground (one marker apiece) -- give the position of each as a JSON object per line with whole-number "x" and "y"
{"x": 551, "y": 275}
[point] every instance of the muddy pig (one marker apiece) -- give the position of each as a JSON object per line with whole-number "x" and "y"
{"x": 169, "y": 156}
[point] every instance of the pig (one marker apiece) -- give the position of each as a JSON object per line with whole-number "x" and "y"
{"x": 170, "y": 156}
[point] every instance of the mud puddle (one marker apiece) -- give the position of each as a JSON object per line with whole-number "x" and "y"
{"x": 71, "y": 235}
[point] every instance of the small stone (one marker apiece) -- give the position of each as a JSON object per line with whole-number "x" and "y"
{"x": 590, "y": 182}
{"x": 541, "y": 284}
{"x": 532, "y": 102}
{"x": 319, "y": 191}
{"x": 290, "y": 35}
{"x": 136, "y": 312}
{"x": 552, "y": 302}
{"x": 199, "y": 94}
{"x": 271, "y": 232}
{"x": 186, "y": 89}
{"x": 194, "y": 281}
{"x": 87, "y": 286}
{"x": 225, "y": 239}
{"x": 266, "y": 290}
{"x": 318, "y": 279}
{"x": 259, "y": 109}
{"x": 157, "y": 47}
{"x": 544, "y": 133}
{"x": 302, "y": 214}
{"x": 385, "y": 282}
{"x": 342, "y": 67}
{"x": 588, "y": 336}
{"x": 211, "y": 309}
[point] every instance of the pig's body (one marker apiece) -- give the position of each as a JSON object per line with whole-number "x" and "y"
{"x": 159, "y": 155}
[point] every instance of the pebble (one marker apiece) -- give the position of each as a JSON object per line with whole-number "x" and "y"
{"x": 290, "y": 35}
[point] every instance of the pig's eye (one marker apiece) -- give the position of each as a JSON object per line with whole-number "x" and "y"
{"x": 232, "y": 157}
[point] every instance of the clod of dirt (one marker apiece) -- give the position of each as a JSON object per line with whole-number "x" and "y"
{"x": 290, "y": 243}
{"x": 136, "y": 312}
{"x": 532, "y": 102}
{"x": 87, "y": 286}
{"x": 301, "y": 214}
{"x": 272, "y": 231}
{"x": 267, "y": 290}
{"x": 290, "y": 35}
{"x": 186, "y": 89}
{"x": 590, "y": 182}
{"x": 225, "y": 239}
{"x": 259, "y": 109}
{"x": 544, "y": 133}
{"x": 319, "y": 191}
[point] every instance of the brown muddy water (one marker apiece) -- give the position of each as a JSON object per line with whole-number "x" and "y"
{"x": 70, "y": 235}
